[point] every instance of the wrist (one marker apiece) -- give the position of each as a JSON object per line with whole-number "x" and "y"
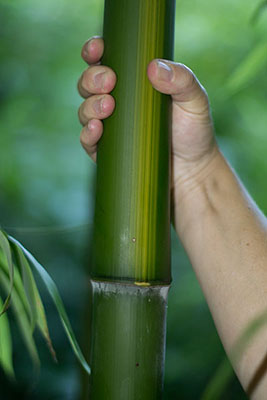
{"x": 193, "y": 190}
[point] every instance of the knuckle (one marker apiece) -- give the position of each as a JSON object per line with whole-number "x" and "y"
{"x": 82, "y": 139}
{"x": 81, "y": 114}
{"x": 190, "y": 78}
{"x": 95, "y": 78}
{"x": 82, "y": 87}
{"x": 85, "y": 79}
{"x": 79, "y": 84}
{"x": 191, "y": 83}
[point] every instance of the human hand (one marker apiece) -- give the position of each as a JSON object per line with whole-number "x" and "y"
{"x": 94, "y": 85}
{"x": 193, "y": 144}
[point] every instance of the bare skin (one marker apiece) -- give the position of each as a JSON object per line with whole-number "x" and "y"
{"x": 221, "y": 228}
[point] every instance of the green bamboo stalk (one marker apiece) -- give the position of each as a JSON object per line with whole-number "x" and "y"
{"x": 128, "y": 341}
{"x": 131, "y": 266}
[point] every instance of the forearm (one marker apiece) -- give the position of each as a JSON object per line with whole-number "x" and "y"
{"x": 225, "y": 237}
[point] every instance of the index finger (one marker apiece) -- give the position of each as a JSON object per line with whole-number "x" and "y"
{"x": 93, "y": 49}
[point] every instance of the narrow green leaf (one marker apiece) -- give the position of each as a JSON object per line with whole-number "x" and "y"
{"x": 36, "y": 306}
{"x": 4, "y": 244}
{"x": 6, "y": 346}
{"x": 18, "y": 284}
{"x": 42, "y": 323}
{"x": 248, "y": 69}
{"x": 28, "y": 283}
{"x": 53, "y": 291}
{"x": 22, "y": 318}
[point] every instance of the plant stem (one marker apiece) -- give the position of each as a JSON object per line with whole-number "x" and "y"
{"x": 132, "y": 215}
{"x": 131, "y": 266}
{"x": 128, "y": 341}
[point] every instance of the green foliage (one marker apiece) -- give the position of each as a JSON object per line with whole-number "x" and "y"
{"x": 248, "y": 69}
{"x": 8, "y": 256}
{"x": 6, "y": 346}
{"x": 17, "y": 279}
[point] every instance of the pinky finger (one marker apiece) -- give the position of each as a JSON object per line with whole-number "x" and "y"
{"x": 90, "y": 135}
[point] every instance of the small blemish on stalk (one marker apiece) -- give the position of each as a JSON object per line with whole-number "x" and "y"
{"x": 137, "y": 364}
{"x": 142, "y": 283}
{"x": 133, "y": 239}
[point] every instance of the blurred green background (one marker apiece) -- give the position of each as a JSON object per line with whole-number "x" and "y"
{"x": 47, "y": 181}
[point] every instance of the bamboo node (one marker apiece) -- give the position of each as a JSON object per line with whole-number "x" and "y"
{"x": 142, "y": 283}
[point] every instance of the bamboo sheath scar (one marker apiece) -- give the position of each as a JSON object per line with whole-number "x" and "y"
{"x": 130, "y": 271}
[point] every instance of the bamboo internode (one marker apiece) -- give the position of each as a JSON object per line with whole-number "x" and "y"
{"x": 132, "y": 215}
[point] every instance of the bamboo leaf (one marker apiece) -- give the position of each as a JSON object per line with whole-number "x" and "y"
{"x": 248, "y": 69}
{"x": 30, "y": 298}
{"x": 28, "y": 283}
{"x": 36, "y": 306}
{"x": 18, "y": 284}
{"x": 42, "y": 324}
{"x": 6, "y": 346}
{"x": 4, "y": 244}
{"x": 22, "y": 318}
{"x": 53, "y": 291}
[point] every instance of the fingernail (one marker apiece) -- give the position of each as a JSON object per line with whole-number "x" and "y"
{"x": 98, "y": 106}
{"x": 165, "y": 72}
{"x": 99, "y": 80}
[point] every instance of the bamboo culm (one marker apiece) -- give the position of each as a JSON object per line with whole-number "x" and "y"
{"x": 130, "y": 272}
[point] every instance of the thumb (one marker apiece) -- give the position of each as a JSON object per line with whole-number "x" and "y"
{"x": 192, "y": 127}
{"x": 181, "y": 83}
